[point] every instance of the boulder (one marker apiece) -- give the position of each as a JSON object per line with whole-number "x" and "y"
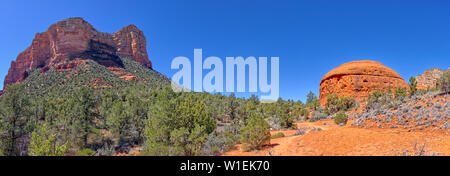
{"x": 358, "y": 79}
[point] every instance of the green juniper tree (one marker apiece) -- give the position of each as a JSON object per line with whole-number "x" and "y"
{"x": 412, "y": 86}
{"x": 257, "y": 131}
{"x": 178, "y": 126}
{"x": 44, "y": 144}
{"x": 312, "y": 101}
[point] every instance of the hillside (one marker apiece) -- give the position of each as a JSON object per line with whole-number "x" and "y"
{"x": 77, "y": 73}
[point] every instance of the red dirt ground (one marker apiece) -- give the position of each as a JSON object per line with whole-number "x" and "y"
{"x": 347, "y": 141}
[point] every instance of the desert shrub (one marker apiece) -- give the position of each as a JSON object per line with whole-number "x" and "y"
{"x": 107, "y": 149}
{"x": 246, "y": 148}
{"x": 341, "y": 117}
{"x": 374, "y": 97}
{"x": 304, "y": 113}
{"x": 278, "y": 135}
{"x": 280, "y": 114}
{"x": 85, "y": 152}
{"x": 417, "y": 150}
{"x": 378, "y": 99}
{"x": 218, "y": 143}
{"x": 256, "y": 133}
{"x": 412, "y": 86}
{"x": 400, "y": 92}
{"x": 335, "y": 104}
{"x": 443, "y": 84}
{"x": 274, "y": 123}
{"x": 332, "y": 104}
{"x": 317, "y": 117}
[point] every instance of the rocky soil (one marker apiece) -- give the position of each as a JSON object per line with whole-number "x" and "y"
{"x": 430, "y": 112}
{"x": 324, "y": 138}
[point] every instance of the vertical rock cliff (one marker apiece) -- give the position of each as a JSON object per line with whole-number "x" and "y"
{"x": 75, "y": 38}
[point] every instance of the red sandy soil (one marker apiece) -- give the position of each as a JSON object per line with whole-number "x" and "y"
{"x": 333, "y": 140}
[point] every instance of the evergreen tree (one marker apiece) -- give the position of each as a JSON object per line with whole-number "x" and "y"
{"x": 312, "y": 101}
{"x": 178, "y": 126}
{"x": 400, "y": 92}
{"x": 14, "y": 119}
{"x": 44, "y": 144}
{"x": 412, "y": 86}
{"x": 257, "y": 132}
{"x": 85, "y": 114}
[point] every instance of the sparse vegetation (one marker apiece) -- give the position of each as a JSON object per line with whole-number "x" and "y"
{"x": 312, "y": 101}
{"x": 400, "y": 92}
{"x": 341, "y": 118}
{"x": 412, "y": 86}
{"x": 256, "y": 133}
{"x": 318, "y": 116}
{"x": 417, "y": 150}
{"x": 336, "y": 104}
{"x": 85, "y": 152}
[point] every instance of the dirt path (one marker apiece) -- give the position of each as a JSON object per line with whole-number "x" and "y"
{"x": 334, "y": 140}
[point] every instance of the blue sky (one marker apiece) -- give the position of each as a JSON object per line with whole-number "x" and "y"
{"x": 310, "y": 37}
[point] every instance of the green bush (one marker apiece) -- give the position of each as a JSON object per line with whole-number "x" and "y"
{"x": 85, "y": 152}
{"x": 278, "y": 135}
{"x": 44, "y": 144}
{"x": 378, "y": 99}
{"x": 335, "y": 104}
{"x": 246, "y": 148}
{"x": 219, "y": 142}
{"x": 341, "y": 117}
{"x": 400, "y": 92}
{"x": 304, "y": 113}
{"x": 256, "y": 133}
{"x": 412, "y": 86}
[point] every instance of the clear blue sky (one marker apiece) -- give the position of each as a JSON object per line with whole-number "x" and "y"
{"x": 310, "y": 37}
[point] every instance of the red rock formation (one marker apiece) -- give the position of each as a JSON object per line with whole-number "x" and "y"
{"x": 358, "y": 79}
{"x": 429, "y": 78}
{"x": 75, "y": 38}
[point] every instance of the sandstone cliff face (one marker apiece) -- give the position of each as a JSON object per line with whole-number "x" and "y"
{"x": 429, "y": 78}
{"x": 75, "y": 38}
{"x": 358, "y": 79}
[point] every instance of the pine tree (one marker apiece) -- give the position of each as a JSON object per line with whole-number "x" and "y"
{"x": 178, "y": 126}
{"x": 14, "y": 119}
{"x": 412, "y": 86}
{"x": 312, "y": 101}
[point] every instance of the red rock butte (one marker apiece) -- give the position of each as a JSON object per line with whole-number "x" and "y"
{"x": 358, "y": 79}
{"x": 75, "y": 38}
